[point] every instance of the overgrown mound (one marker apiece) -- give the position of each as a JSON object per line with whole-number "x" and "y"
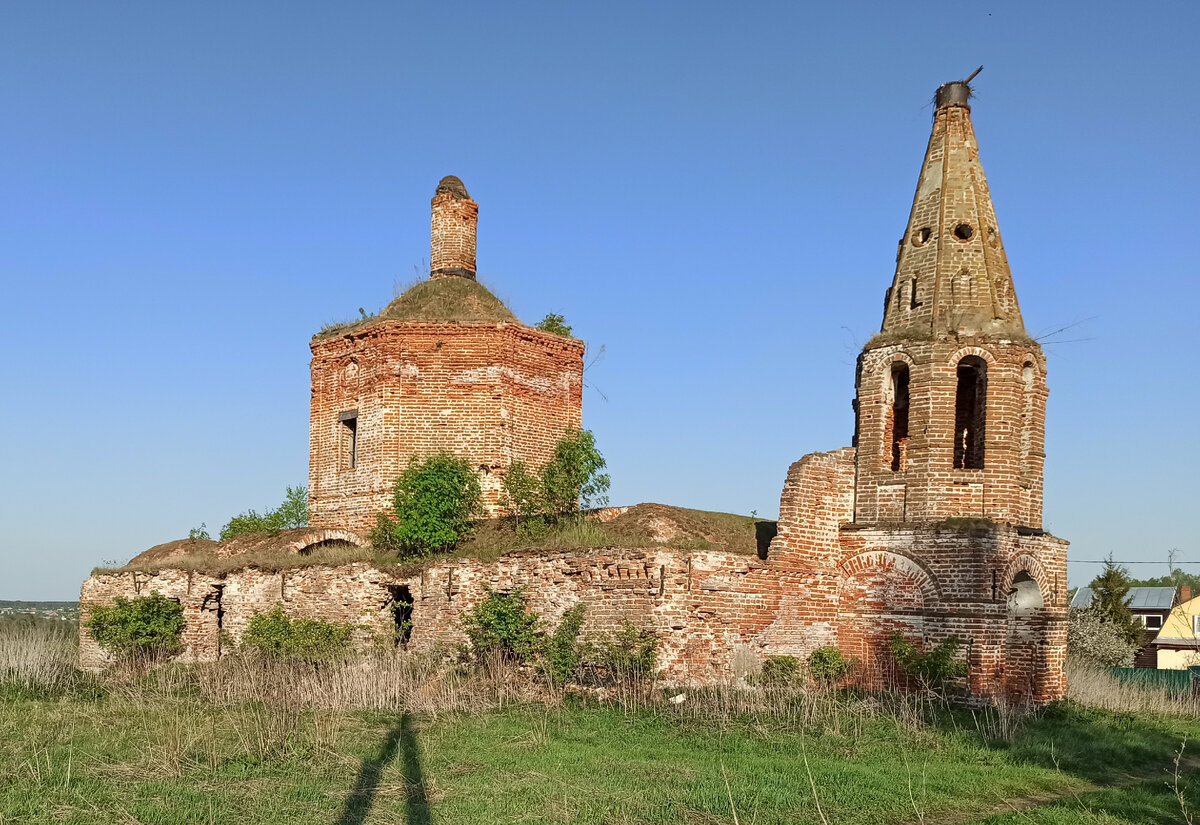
{"x": 459, "y": 300}
{"x": 439, "y": 301}
{"x": 664, "y": 524}
{"x": 267, "y": 551}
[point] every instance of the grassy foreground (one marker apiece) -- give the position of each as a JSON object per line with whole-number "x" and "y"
{"x": 239, "y": 743}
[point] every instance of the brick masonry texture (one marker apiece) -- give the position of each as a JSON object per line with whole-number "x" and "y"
{"x": 929, "y": 526}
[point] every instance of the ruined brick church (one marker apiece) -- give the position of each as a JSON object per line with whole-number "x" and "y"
{"x": 930, "y": 525}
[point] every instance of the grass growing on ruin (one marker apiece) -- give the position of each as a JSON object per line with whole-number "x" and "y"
{"x": 644, "y": 526}
{"x": 397, "y": 738}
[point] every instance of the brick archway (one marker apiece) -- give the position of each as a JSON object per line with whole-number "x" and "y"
{"x": 880, "y": 593}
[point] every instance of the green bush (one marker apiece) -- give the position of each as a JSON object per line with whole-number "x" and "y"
{"x": 435, "y": 501}
{"x": 562, "y": 650}
{"x": 293, "y": 512}
{"x": 627, "y": 654}
{"x": 142, "y": 627}
{"x": 778, "y": 671}
{"x": 502, "y": 625}
{"x": 933, "y": 670}
{"x": 522, "y": 493}
{"x": 828, "y": 666}
{"x": 572, "y": 478}
{"x": 555, "y": 324}
{"x": 274, "y": 635}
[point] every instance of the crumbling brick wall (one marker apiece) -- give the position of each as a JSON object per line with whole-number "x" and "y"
{"x": 491, "y": 393}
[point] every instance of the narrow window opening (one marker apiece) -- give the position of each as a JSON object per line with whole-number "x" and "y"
{"x": 970, "y": 413}
{"x": 913, "y": 303}
{"x": 401, "y": 607}
{"x": 349, "y": 439}
{"x": 899, "y": 446}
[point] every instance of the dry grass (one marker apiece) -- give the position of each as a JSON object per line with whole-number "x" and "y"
{"x": 1095, "y": 687}
{"x": 38, "y": 656}
{"x": 445, "y": 300}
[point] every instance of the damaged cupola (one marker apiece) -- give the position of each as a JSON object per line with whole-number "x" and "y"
{"x": 443, "y": 367}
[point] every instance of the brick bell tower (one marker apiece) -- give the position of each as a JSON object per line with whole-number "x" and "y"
{"x": 952, "y": 391}
{"x": 946, "y": 533}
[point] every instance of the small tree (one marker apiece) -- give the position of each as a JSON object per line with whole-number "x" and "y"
{"x": 502, "y": 625}
{"x": 780, "y": 671}
{"x": 1098, "y": 642}
{"x": 627, "y": 655}
{"x": 572, "y": 478}
{"x": 522, "y": 492}
{"x": 934, "y": 669}
{"x": 828, "y": 666}
{"x": 293, "y": 512}
{"x": 274, "y": 635}
{"x": 1110, "y": 596}
{"x": 435, "y": 502}
{"x": 555, "y": 324}
{"x": 148, "y": 627}
{"x": 562, "y": 649}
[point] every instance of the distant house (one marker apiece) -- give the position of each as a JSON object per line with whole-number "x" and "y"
{"x": 1178, "y": 643}
{"x": 1151, "y": 606}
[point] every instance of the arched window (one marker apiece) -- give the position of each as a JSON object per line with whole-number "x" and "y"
{"x": 970, "y": 413}
{"x": 898, "y": 418}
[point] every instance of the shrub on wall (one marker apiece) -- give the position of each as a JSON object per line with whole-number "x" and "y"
{"x": 293, "y": 512}
{"x": 562, "y": 650}
{"x": 435, "y": 501}
{"x": 522, "y": 493}
{"x": 935, "y": 669}
{"x": 779, "y": 671}
{"x": 148, "y": 627}
{"x": 628, "y": 654}
{"x": 555, "y": 324}
{"x": 502, "y": 625}
{"x": 572, "y": 478}
{"x": 274, "y": 635}
{"x": 828, "y": 666}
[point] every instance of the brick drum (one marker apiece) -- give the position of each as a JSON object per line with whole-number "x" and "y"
{"x": 930, "y": 525}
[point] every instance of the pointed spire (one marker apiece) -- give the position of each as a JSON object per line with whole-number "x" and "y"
{"x": 952, "y": 275}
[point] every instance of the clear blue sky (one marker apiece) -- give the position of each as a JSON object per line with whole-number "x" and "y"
{"x": 711, "y": 193}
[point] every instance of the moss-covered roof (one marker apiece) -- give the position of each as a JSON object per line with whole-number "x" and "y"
{"x": 450, "y": 300}
{"x": 461, "y": 300}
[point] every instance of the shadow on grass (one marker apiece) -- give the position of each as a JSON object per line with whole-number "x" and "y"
{"x": 401, "y": 738}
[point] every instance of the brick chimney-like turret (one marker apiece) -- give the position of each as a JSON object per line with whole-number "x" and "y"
{"x": 455, "y": 216}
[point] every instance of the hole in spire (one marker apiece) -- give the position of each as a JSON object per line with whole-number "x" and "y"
{"x": 921, "y": 236}
{"x": 964, "y": 232}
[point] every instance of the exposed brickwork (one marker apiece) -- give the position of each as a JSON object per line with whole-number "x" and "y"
{"x": 453, "y": 229}
{"x": 388, "y": 391}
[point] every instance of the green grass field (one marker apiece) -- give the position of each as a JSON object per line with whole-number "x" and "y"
{"x": 393, "y": 737}
{"x": 174, "y": 757}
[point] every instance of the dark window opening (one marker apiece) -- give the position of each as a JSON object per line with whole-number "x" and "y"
{"x": 921, "y": 236}
{"x": 1154, "y": 622}
{"x": 327, "y": 544}
{"x": 964, "y": 232}
{"x": 402, "y": 611}
{"x": 913, "y": 303}
{"x": 970, "y": 413}
{"x": 349, "y": 439}
{"x": 899, "y": 446}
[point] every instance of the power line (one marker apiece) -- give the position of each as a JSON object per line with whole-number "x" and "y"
{"x": 1102, "y": 561}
